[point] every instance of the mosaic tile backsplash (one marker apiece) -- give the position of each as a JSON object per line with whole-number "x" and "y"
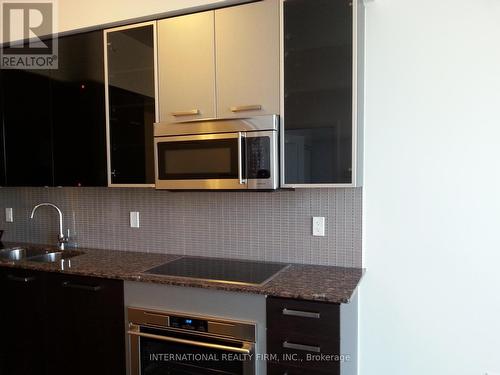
{"x": 247, "y": 225}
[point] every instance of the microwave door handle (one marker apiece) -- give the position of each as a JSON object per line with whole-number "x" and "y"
{"x": 243, "y": 180}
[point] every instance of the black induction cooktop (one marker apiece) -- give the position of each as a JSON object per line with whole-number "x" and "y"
{"x": 219, "y": 270}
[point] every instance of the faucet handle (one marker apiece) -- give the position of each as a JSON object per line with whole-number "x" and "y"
{"x": 64, "y": 238}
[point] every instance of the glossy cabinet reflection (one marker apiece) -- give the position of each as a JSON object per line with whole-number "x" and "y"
{"x": 2, "y": 149}
{"x": 54, "y": 120}
{"x": 131, "y": 103}
{"x": 78, "y": 113}
{"x": 319, "y": 121}
{"x": 27, "y": 127}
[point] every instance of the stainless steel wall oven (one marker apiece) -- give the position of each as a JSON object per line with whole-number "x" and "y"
{"x": 185, "y": 344}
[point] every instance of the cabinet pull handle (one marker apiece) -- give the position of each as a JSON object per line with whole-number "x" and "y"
{"x": 18, "y": 279}
{"x": 191, "y": 112}
{"x": 242, "y": 108}
{"x": 302, "y": 314}
{"x": 89, "y": 288}
{"x": 305, "y": 348}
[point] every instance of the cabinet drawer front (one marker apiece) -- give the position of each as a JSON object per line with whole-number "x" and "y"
{"x": 280, "y": 369}
{"x": 21, "y": 276}
{"x": 295, "y": 349}
{"x": 87, "y": 284}
{"x": 310, "y": 318}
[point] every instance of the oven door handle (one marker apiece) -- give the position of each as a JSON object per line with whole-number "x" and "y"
{"x": 191, "y": 342}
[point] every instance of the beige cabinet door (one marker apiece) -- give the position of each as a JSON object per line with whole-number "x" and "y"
{"x": 186, "y": 60}
{"x": 247, "y": 59}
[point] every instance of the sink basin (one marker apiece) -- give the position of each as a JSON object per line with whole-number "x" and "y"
{"x": 20, "y": 253}
{"x": 37, "y": 254}
{"x": 55, "y": 256}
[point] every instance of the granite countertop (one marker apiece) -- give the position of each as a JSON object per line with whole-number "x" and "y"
{"x": 305, "y": 282}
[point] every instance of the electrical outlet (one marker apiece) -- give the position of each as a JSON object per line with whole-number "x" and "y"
{"x": 134, "y": 219}
{"x": 9, "y": 216}
{"x": 318, "y": 224}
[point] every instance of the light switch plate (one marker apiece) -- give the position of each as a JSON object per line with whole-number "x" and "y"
{"x": 134, "y": 219}
{"x": 9, "y": 216}
{"x": 318, "y": 226}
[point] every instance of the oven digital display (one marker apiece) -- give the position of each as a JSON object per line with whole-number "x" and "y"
{"x": 188, "y": 323}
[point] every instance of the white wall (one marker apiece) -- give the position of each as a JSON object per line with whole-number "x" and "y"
{"x": 430, "y": 301}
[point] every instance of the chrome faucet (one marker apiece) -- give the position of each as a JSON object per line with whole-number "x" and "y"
{"x": 61, "y": 238}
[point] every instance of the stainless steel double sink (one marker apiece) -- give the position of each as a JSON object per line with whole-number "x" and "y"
{"x": 34, "y": 254}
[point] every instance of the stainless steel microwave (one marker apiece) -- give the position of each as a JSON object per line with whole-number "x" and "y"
{"x": 218, "y": 154}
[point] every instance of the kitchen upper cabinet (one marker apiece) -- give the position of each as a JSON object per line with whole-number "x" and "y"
{"x": 22, "y": 344}
{"x": 2, "y": 149}
{"x": 27, "y": 110}
{"x": 186, "y": 67}
{"x": 78, "y": 112}
{"x": 89, "y": 337}
{"x": 131, "y": 100}
{"x": 247, "y": 40}
{"x": 54, "y": 120}
{"x": 226, "y": 64}
{"x": 323, "y": 91}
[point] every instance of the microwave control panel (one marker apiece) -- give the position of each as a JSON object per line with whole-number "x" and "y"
{"x": 258, "y": 151}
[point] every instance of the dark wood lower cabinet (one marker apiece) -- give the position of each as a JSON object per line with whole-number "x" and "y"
{"x": 61, "y": 324}
{"x": 304, "y": 337}
{"x": 23, "y": 317}
{"x": 88, "y": 331}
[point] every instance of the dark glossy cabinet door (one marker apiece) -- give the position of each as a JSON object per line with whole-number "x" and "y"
{"x": 318, "y": 94}
{"x": 2, "y": 148}
{"x": 78, "y": 109}
{"x": 22, "y": 313}
{"x": 27, "y": 127}
{"x": 131, "y": 101}
{"x": 89, "y": 334}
